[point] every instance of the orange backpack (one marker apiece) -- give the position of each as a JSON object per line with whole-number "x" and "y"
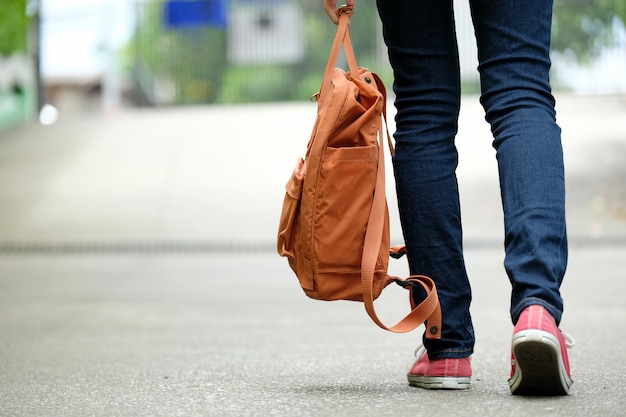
{"x": 334, "y": 225}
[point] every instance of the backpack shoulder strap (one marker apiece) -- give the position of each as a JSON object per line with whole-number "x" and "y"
{"x": 428, "y": 310}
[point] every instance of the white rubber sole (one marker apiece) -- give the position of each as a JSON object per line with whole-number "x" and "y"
{"x": 539, "y": 366}
{"x": 439, "y": 382}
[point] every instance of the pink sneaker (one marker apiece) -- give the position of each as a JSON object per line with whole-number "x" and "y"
{"x": 439, "y": 373}
{"x": 539, "y": 360}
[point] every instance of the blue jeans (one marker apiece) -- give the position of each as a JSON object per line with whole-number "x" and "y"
{"x": 513, "y": 40}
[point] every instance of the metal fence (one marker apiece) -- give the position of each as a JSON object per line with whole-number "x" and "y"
{"x": 230, "y": 51}
{"x": 240, "y": 50}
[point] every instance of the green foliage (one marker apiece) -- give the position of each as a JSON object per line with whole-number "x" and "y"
{"x": 191, "y": 61}
{"x": 13, "y": 26}
{"x": 584, "y": 27}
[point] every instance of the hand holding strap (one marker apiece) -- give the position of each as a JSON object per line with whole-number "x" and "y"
{"x": 342, "y": 38}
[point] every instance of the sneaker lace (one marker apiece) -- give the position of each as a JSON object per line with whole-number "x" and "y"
{"x": 419, "y": 351}
{"x": 569, "y": 340}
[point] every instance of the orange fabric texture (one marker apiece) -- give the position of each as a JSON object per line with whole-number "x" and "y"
{"x": 334, "y": 225}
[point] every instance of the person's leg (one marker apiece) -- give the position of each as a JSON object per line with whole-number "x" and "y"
{"x": 514, "y": 44}
{"x": 421, "y": 41}
{"x": 514, "y": 62}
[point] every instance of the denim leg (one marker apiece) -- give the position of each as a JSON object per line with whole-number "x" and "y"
{"x": 513, "y": 43}
{"x": 421, "y": 41}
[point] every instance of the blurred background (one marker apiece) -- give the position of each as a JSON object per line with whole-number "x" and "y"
{"x": 180, "y": 120}
{"x": 147, "y": 143}
{"x": 105, "y": 54}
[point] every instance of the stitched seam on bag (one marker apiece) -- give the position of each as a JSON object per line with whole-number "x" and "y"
{"x": 371, "y": 160}
{"x": 319, "y": 173}
{"x": 339, "y": 270}
{"x": 314, "y": 209}
{"x": 343, "y": 106}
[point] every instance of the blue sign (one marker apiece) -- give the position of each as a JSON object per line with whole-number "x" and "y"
{"x": 181, "y": 14}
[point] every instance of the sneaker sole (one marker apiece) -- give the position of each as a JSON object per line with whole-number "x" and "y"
{"x": 539, "y": 366}
{"x": 439, "y": 382}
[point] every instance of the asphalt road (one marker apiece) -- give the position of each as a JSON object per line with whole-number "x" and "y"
{"x": 138, "y": 277}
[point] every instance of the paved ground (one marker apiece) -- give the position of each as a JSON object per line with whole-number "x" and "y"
{"x": 137, "y": 276}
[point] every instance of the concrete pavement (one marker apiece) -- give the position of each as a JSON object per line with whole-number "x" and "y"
{"x": 137, "y": 276}
{"x": 233, "y": 335}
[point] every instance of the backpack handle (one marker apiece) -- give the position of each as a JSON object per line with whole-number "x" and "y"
{"x": 342, "y": 38}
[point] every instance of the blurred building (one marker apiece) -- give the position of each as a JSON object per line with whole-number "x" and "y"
{"x": 80, "y": 45}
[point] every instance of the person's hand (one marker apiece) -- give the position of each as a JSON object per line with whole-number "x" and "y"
{"x": 330, "y": 6}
